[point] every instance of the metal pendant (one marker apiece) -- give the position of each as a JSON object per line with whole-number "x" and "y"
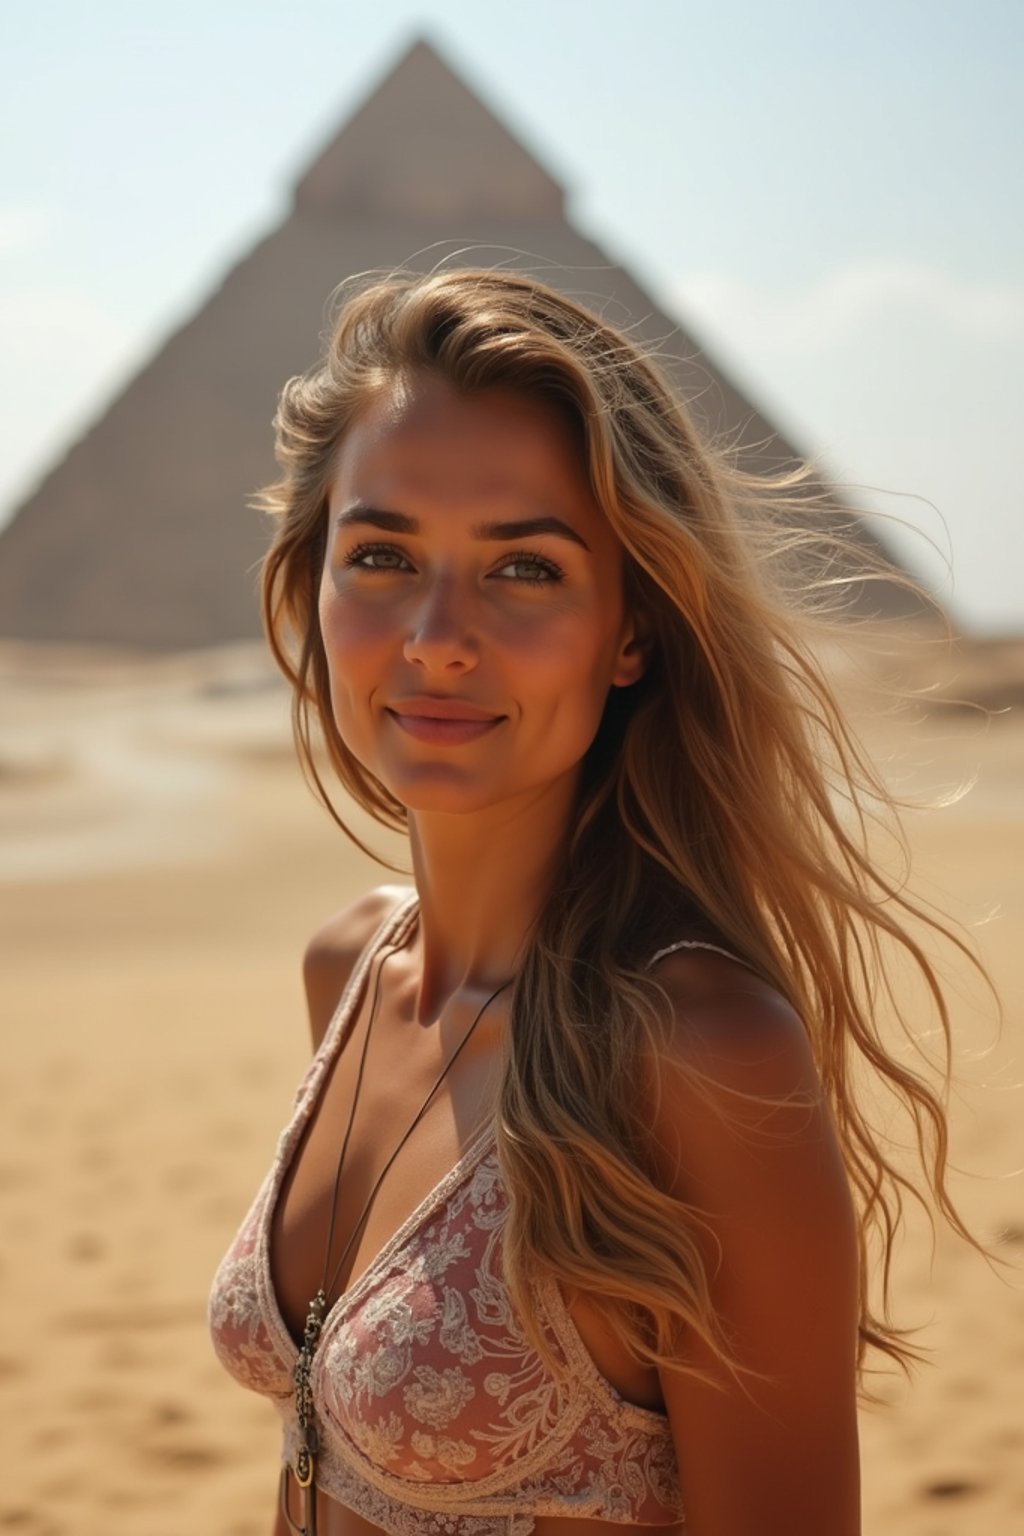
{"x": 308, "y": 1512}
{"x": 305, "y": 1466}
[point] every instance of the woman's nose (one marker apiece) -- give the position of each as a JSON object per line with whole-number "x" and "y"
{"x": 441, "y": 635}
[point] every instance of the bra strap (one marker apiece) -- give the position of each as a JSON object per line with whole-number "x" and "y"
{"x": 670, "y": 949}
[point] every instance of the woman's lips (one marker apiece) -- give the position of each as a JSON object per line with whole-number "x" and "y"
{"x": 450, "y": 732}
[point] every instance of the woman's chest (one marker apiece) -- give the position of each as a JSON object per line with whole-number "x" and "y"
{"x": 427, "y": 1388}
{"x": 427, "y": 1327}
{"x": 355, "y": 1185}
{"x": 373, "y": 1153}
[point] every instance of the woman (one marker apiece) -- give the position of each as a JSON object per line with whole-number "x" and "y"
{"x": 568, "y": 1232}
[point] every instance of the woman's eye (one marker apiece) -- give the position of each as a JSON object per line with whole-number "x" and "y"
{"x": 376, "y": 557}
{"x": 533, "y": 570}
{"x": 526, "y": 568}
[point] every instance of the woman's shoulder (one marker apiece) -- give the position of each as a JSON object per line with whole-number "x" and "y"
{"x": 740, "y": 1119}
{"x": 333, "y": 951}
{"x": 722, "y": 1016}
{"x": 348, "y": 930}
{"x": 733, "y": 1058}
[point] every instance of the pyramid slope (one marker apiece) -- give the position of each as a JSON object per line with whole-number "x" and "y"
{"x": 424, "y": 147}
{"x": 141, "y": 535}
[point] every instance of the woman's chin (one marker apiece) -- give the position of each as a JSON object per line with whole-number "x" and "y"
{"x": 443, "y": 792}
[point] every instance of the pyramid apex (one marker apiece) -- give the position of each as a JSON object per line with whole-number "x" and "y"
{"x": 424, "y": 146}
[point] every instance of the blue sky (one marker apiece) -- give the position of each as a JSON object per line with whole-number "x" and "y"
{"x": 827, "y": 196}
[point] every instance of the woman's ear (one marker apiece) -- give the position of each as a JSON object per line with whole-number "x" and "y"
{"x": 634, "y": 652}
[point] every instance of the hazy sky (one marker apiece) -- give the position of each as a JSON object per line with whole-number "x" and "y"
{"x": 827, "y": 195}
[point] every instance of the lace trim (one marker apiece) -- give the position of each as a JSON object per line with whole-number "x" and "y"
{"x": 450, "y": 1511}
{"x": 400, "y": 1518}
{"x": 650, "y": 1420}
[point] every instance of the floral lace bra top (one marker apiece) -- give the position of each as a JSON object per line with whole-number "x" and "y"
{"x": 435, "y": 1413}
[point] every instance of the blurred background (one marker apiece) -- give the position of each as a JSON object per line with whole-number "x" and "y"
{"x": 809, "y": 212}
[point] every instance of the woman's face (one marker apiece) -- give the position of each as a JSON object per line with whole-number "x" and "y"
{"x": 471, "y": 601}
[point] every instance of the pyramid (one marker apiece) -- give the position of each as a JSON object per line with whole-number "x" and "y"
{"x": 141, "y": 534}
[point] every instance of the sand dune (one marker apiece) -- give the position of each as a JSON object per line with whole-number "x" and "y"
{"x": 161, "y": 865}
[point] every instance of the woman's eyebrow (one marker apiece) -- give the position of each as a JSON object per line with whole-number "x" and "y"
{"x": 359, "y": 515}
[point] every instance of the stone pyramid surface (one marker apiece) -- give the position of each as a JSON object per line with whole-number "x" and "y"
{"x": 141, "y": 535}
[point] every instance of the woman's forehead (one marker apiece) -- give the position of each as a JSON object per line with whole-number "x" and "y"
{"x": 422, "y": 437}
{"x": 423, "y": 407}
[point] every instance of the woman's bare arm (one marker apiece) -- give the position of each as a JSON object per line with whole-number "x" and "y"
{"x": 778, "y": 1456}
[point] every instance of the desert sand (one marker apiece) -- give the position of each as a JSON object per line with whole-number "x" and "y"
{"x": 161, "y": 867}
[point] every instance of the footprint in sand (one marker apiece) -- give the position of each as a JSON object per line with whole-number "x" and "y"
{"x": 951, "y": 1488}
{"x": 187, "y": 1457}
{"x": 966, "y": 1388}
{"x": 85, "y": 1247}
{"x": 168, "y": 1412}
{"x": 166, "y": 1437}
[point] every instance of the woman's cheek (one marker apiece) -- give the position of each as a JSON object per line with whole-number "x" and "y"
{"x": 348, "y": 627}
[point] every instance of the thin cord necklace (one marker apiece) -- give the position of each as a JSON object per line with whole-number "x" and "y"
{"x": 304, "y": 1468}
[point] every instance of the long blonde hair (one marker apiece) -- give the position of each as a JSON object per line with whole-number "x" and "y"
{"x": 724, "y": 790}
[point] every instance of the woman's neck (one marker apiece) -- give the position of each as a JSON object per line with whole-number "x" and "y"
{"x": 482, "y": 881}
